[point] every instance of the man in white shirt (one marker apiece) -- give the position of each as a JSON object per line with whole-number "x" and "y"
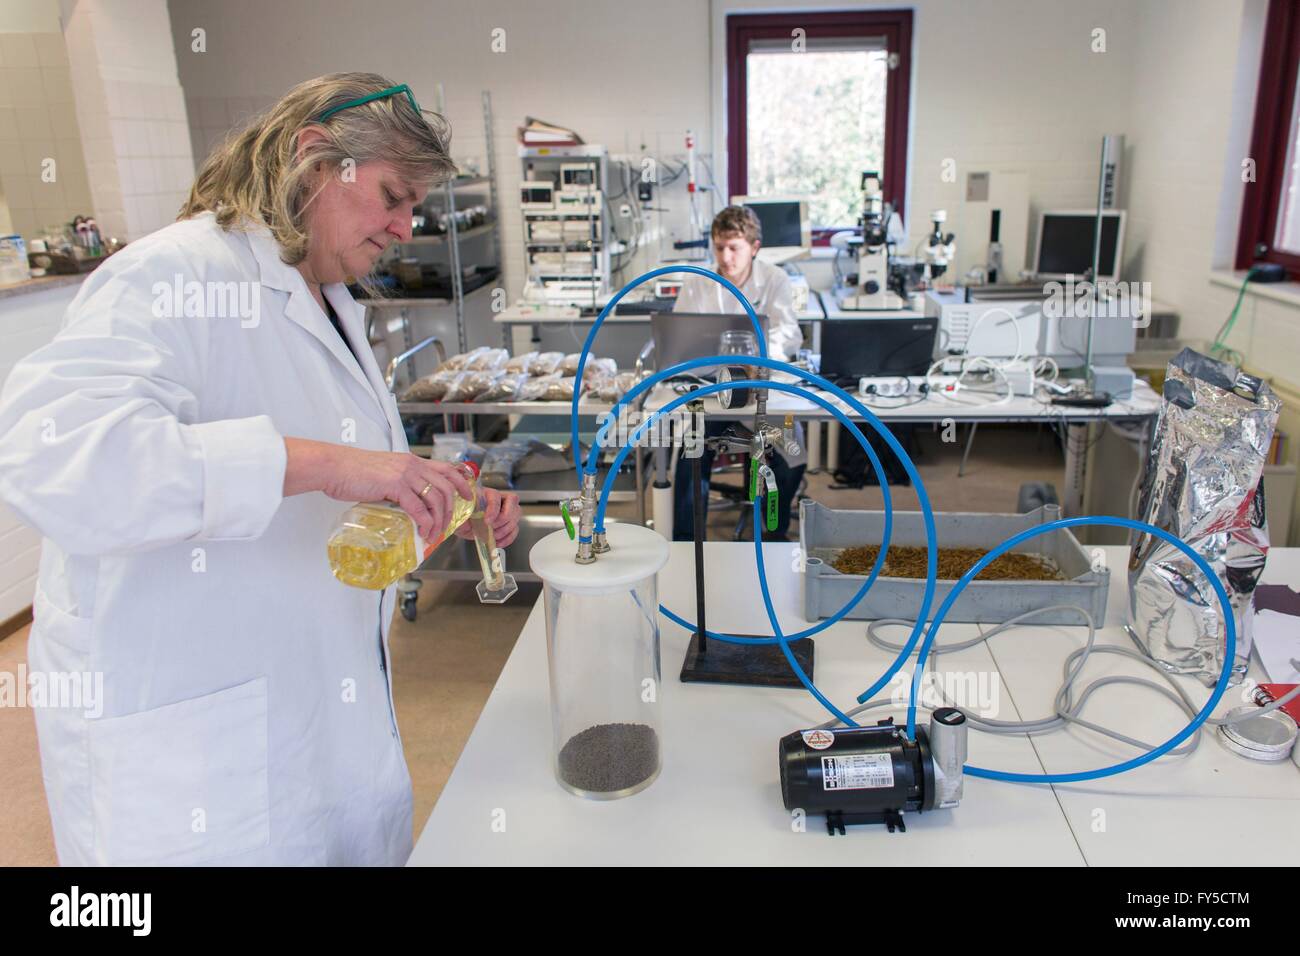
{"x": 737, "y": 236}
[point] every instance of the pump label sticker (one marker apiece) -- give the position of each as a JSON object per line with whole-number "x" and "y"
{"x": 818, "y": 739}
{"x": 857, "y": 772}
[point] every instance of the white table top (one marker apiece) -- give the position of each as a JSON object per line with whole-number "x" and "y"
{"x": 564, "y": 315}
{"x": 963, "y": 407}
{"x": 717, "y": 799}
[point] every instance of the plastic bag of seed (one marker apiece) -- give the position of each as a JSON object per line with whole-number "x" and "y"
{"x": 546, "y": 363}
{"x": 522, "y": 363}
{"x": 560, "y": 389}
{"x": 610, "y": 388}
{"x": 536, "y": 386}
{"x": 498, "y": 468}
{"x": 431, "y": 388}
{"x": 504, "y": 389}
{"x": 457, "y": 362}
{"x": 597, "y": 368}
{"x": 469, "y": 385}
{"x": 487, "y": 360}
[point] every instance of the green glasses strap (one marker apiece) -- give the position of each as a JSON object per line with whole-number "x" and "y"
{"x": 391, "y": 91}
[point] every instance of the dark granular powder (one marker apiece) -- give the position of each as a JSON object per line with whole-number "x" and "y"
{"x": 609, "y": 757}
{"x": 909, "y": 562}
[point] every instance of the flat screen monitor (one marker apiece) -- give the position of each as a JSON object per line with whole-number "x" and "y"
{"x": 784, "y": 220}
{"x": 1065, "y": 241}
{"x": 857, "y": 348}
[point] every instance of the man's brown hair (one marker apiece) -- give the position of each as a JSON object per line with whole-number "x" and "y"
{"x": 737, "y": 221}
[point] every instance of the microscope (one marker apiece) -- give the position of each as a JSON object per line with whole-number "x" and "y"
{"x": 941, "y": 248}
{"x": 871, "y": 292}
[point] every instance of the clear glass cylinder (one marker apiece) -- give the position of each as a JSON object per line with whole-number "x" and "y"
{"x": 602, "y": 643}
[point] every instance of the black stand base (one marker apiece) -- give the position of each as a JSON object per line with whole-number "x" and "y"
{"x": 759, "y": 665}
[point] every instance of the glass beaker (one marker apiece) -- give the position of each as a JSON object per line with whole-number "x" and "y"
{"x": 602, "y": 648}
{"x": 737, "y": 342}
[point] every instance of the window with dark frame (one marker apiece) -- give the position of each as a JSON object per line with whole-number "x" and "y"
{"x": 1270, "y": 220}
{"x": 815, "y": 99}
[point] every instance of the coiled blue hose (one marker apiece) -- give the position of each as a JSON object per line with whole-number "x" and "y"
{"x": 782, "y": 387}
{"x": 1191, "y": 728}
{"x": 618, "y": 296}
{"x": 931, "y": 551}
{"x": 931, "y": 562}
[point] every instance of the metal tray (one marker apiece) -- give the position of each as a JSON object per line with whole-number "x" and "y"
{"x": 825, "y": 532}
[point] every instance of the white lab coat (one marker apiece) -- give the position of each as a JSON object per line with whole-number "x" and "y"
{"x": 768, "y": 291}
{"x": 247, "y": 713}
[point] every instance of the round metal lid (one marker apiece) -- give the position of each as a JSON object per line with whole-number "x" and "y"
{"x": 1267, "y": 737}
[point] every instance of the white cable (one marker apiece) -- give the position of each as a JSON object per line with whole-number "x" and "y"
{"x": 1056, "y": 369}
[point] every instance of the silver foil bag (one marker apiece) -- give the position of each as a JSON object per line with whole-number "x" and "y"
{"x": 1203, "y": 483}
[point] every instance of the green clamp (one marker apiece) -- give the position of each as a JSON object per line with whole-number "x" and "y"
{"x": 773, "y": 500}
{"x": 568, "y": 521}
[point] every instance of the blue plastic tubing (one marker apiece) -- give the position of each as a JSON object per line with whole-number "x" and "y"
{"x": 931, "y": 562}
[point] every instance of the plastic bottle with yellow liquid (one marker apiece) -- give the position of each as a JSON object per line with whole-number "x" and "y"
{"x": 374, "y": 543}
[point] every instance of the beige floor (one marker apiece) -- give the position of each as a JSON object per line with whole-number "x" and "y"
{"x": 446, "y": 663}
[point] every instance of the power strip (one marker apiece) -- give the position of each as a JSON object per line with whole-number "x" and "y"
{"x": 896, "y": 386}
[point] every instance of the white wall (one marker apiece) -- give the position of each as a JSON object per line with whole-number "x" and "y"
{"x": 1192, "y": 115}
{"x": 627, "y": 76}
{"x": 1012, "y": 85}
{"x": 131, "y": 112}
{"x": 38, "y": 123}
{"x": 1005, "y": 86}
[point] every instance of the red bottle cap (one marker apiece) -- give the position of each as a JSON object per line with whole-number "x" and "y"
{"x": 471, "y": 466}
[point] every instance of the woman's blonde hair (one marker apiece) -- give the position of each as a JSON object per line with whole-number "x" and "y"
{"x": 257, "y": 173}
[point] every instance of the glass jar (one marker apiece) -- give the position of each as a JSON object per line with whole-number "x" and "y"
{"x": 602, "y": 646}
{"x": 737, "y": 342}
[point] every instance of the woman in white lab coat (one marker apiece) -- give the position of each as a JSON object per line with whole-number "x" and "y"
{"x": 185, "y": 445}
{"x": 736, "y": 236}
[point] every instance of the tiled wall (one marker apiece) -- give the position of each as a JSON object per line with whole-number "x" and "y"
{"x": 38, "y": 123}
{"x": 131, "y": 112}
{"x": 211, "y": 118}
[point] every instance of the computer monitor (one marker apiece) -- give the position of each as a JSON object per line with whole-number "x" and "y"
{"x": 854, "y": 348}
{"x": 1065, "y": 240}
{"x": 681, "y": 336}
{"x": 787, "y": 231}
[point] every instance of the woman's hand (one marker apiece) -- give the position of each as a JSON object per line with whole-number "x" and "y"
{"x": 502, "y": 514}
{"x": 423, "y": 489}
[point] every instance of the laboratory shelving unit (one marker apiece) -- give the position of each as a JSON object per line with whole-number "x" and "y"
{"x": 453, "y": 242}
{"x": 566, "y": 246}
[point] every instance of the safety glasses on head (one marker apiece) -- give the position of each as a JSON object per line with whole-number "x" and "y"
{"x": 382, "y": 94}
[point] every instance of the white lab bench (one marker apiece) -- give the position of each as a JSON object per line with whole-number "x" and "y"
{"x": 1141, "y": 408}
{"x": 717, "y": 799}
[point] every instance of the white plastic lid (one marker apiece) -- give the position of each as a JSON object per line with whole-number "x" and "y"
{"x": 635, "y": 553}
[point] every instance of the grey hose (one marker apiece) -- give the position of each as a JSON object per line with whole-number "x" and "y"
{"x": 1066, "y": 711}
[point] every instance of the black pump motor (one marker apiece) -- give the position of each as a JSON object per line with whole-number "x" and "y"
{"x": 873, "y": 774}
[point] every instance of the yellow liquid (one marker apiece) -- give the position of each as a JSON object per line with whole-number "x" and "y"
{"x": 374, "y": 544}
{"x": 373, "y": 547}
{"x": 461, "y": 511}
